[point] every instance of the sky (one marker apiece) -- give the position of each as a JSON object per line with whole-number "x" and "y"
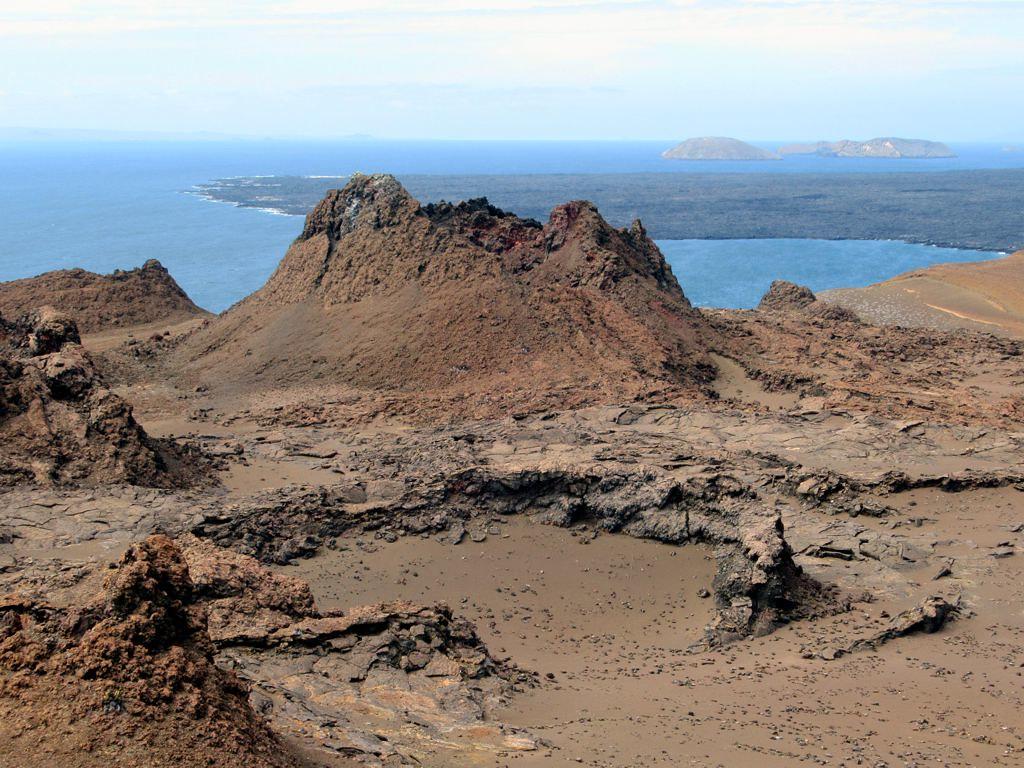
{"x": 518, "y": 69}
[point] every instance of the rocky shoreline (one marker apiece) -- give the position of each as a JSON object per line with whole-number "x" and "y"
{"x": 971, "y": 209}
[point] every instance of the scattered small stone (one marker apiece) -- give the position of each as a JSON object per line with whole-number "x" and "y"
{"x": 943, "y": 572}
{"x": 456, "y": 535}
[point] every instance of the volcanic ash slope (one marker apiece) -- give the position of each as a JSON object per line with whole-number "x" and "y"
{"x": 465, "y": 309}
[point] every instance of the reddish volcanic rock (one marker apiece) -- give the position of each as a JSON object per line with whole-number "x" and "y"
{"x": 100, "y": 302}
{"x": 59, "y": 424}
{"x": 464, "y": 308}
{"x": 782, "y": 295}
{"x": 128, "y": 679}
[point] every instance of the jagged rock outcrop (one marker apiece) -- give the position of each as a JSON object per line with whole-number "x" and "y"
{"x": 464, "y": 305}
{"x": 59, "y": 424}
{"x": 127, "y": 679}
{"x": 928, "y": 616}
{"x": 97, "y": 302}
{"x": 783, "y": 295}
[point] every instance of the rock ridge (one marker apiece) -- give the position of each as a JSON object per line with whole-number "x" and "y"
{"x": 121, "y": 299}
{"x": 463, "y": 308}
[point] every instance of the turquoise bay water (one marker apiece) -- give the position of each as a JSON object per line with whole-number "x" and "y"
{"x": 736, "y": 273}
{"x": 113, "y": 206}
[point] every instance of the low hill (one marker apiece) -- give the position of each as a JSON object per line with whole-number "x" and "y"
{"x": 983, "y": 295}
{"x": 97, "y": 302}
{"x": 462, "y": 304}
{"x": 717, "y": 148}
{"x": 886, "y": 147}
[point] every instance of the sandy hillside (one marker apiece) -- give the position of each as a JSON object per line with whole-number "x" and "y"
{"x": 122, "y": 299}
{"x": 984, "y": 296}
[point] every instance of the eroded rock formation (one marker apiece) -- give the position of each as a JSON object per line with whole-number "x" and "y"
{"x": 137, "y": 669}
{"x": 928, "y": 616}
{"x": 785, "y": 295}
{"x": 60, "y": 424}
{"x": 127, "y": 679}
{"x": 352, "y": 682}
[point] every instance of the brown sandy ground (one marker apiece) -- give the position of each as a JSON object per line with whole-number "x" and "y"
{"x": 983, "y": 296}
{"x": 613, "y": 618}
{"x": 611, "y": 622}
{"x": 775, "y": 537}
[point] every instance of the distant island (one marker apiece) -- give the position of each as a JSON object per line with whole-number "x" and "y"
{"x": 886, "y": 147}
{"x": 717, "y": 148}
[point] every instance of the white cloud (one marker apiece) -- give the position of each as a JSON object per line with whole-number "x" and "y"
{"x": 700, "y": 52}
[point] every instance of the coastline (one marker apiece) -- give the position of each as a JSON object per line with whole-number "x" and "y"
{"x": 205, "y": 193}
{"x": 968, "y": 210}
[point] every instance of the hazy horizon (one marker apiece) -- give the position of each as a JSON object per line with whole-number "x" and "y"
{"x": 74, "y": 135}
{"x": 518, "y": 69}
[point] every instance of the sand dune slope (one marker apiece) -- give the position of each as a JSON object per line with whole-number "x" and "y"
{"x": 984, "y": 296}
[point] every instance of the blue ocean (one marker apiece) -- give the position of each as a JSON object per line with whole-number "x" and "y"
{"x": 108, "y": 205}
